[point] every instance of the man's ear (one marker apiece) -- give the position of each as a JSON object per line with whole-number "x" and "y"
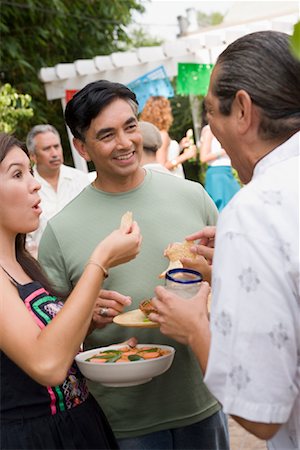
{"x": 80, "y": 147}
{"x": 243, "y": 108}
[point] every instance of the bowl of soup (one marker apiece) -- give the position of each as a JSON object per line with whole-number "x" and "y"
{"x": 121, "y": 365}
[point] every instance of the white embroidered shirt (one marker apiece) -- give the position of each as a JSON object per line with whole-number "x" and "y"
{"x": 254, "y": 361}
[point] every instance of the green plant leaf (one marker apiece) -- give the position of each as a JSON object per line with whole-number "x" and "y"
{"x": 14, "y": 107}
{"x": 295, "y": 41}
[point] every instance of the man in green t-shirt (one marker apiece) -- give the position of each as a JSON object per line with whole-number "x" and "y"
{"x": 174, "y": 410}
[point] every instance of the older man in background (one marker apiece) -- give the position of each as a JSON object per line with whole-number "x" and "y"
{"x": 60, "y": 183}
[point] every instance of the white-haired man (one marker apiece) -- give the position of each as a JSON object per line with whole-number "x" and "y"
{"x": 60, "y": 183}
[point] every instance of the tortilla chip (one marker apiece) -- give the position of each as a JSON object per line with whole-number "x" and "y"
{"x": 175, "y": 252}
{"x": 126, "y": 220}
{"x": 172, "y": 265}
{"x": 179, "y": 250}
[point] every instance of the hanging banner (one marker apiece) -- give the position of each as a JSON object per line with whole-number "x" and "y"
{"x": 193, "y": 78}
{"x": 155, "y": 82}
{"x": 69, "y": 93}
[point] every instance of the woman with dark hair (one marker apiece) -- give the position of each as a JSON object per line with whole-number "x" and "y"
{"x": 45, "y": 403}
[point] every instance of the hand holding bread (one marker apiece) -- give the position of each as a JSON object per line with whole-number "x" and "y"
{"x": 175, "y": 252}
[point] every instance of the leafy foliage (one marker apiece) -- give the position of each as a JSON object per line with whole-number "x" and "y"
{"x": 140, "y": 38}
{"x": 14, "y": 108}
{"x": 206, "y": 20}
{"x": 295, "y": 41}
{"x": 37, "y": 34}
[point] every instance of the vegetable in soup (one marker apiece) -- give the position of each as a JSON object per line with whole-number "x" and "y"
{"x": 128, "y": 354}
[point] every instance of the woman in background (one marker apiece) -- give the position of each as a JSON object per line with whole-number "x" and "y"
{"x": 220, "y": 183}
{"x": 158, "y": 111}
{"x": 45, "y": 403}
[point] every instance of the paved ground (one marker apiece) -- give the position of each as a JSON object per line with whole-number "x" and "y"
{"x": 240, "y": 439}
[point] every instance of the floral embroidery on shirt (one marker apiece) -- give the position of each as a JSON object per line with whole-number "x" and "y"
{"x": 293, "y": 389}
{"x": 297, "y": 283}
{"x": 293, "y": 438}
{"x": 231, "y": 235}
{"x": 223, "y": 323}
{"x": 279, "y": 335}
{"x": 216, "y": 284}
{"x": 285, "y": 250}
{"x": 249, "y": 280}
{"x": 272, "y": 197}
{"x": 239, "y": 377}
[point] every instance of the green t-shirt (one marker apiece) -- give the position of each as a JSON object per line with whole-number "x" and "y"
{"x": 167, "y": 209}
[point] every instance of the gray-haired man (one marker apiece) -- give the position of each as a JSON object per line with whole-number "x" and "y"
{"x": 60, "y": 183}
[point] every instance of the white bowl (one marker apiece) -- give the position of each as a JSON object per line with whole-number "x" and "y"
{"x": 125, "y": 373}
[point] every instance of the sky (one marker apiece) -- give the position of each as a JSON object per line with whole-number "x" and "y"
{"x": 160, "y": 18}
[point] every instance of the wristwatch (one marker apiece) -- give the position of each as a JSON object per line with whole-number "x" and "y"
{"x": 174, "y": 164}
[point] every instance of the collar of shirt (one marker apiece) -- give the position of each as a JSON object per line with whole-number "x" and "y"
{"x": 156, "y": 166}
{"x": 64, "y": 172}
{"x": 288, "y": 149}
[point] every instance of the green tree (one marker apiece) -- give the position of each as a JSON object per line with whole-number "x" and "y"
{"x": 37, "y": 34}
{"x": 206, "y": 20}
{"x": 14, "y": 108}
{"x": 140, "y": 38}
{"x": 295, "y": 41}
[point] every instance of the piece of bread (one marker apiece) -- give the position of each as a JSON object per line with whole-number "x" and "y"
{"x": 175, "y": 252}
{"x": 126, "y": 220}
{"x": 179, "y": 250}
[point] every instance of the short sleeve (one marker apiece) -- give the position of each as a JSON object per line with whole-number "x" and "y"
{"x": 52, "y": 261}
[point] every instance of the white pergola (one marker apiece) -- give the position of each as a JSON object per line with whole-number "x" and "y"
{"x": 123, "y": 67}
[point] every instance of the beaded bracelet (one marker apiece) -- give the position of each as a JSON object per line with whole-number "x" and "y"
{"x": 105, "y": 272}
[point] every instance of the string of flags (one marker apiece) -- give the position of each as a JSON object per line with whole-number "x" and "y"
{"x": 192, "y": 79}
{"x": 155, "y": 82}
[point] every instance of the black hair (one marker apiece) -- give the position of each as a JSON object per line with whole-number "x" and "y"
{"x": 29, "y": 264}
{"x": 261, "y": 64}
{"x": 91, "y": 100}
